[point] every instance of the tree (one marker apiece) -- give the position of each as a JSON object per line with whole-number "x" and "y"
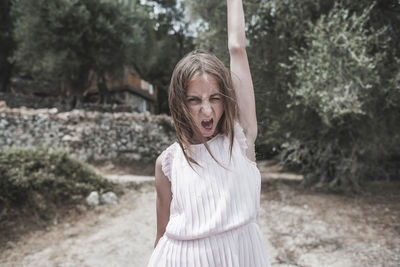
{"x": 62, "y": 41}
{"x": 339, "y": 88}
{"x": 167, "y": 41}
{"x": 6, "y": 45}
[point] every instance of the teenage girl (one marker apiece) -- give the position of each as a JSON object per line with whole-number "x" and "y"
{"x": 207, "y": 182}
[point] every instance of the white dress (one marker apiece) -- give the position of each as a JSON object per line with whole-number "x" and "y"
{"x": 214, "y": 212}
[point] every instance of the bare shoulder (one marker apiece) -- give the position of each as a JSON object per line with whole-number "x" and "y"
{"x": 160, "y": 177}
{"x": 159, "y": 160}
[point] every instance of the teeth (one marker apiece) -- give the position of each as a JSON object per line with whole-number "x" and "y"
{"x": 207, "y": 124}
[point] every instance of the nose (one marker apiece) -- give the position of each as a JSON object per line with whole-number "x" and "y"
{"x": 206, "y": 108}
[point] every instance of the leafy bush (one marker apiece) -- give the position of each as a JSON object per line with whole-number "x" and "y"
{"x": 346, "y": 80}
{"x": 39, "y": 178}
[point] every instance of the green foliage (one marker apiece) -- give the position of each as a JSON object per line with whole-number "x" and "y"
{"x": 63, "y": 40}
{"x": 58, "y": 43}
{"x": 272, "y": 27}
{"x": 274, "y": 30}
{"x": 212, "y": 27}
{"x": 336, "y": 72}
{"x": 350, "y": 130}
{"x": 6, "y": 44}
{"x": 34, "y": 177}
{"x": 166, "y": 43}
{"x": 326, "y": 80}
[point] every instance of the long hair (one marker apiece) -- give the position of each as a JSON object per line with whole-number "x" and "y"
{"x": 200, "y": 62}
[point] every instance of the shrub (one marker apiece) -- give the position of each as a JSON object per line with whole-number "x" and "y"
{"x": 347, "y": 124}
{"x": 39, "y": 179}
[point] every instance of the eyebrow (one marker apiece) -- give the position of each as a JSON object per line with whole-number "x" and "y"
{"x": 216, "y": 94}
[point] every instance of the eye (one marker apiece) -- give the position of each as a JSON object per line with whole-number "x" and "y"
{"x": 215, "y": 98}
{"x": 193, "y": 100}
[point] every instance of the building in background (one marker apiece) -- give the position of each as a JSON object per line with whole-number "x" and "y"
{"x": 128, "y": 90}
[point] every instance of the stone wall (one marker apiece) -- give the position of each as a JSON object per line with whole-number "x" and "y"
{"x": 90, "y": 136}
{"x": 62, "y": 104}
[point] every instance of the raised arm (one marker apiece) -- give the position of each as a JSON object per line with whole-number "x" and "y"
{"x": 240, "y": 69}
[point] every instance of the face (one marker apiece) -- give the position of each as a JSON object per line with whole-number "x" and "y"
{"x": 205, "y": 103}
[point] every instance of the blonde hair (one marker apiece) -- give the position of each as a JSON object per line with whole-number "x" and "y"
{"x": 200, "y": 62}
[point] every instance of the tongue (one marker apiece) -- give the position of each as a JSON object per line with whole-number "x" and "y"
{"x": 207, "y": 124}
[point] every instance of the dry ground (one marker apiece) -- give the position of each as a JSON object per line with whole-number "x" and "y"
{"x": 301, "y": 227}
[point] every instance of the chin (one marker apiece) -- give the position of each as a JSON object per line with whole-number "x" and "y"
{"x": 206, "y": 133}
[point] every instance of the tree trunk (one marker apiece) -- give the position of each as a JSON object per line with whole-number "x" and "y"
{"x": 74, "y": 99}
{"x": 5, "y": 76}
{"x": 105, "y": 96}
{"x": 6, "y": 45}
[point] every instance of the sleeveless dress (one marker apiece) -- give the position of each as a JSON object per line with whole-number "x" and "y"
{"x": 214, "y": 211}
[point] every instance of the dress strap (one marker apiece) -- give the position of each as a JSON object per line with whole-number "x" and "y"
{"x": 166, "y": 162}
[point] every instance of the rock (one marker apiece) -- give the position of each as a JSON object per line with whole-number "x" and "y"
{"x": 3, "y": 105}
{"x": 109, "y": 198}
{"x": 53, "y": 110}
{"x": 136, "y": 156}
{"x": 93, "y": 199}
{"x": 68, "y": 138}
{"x": 81, "y": 208}
{"x": 3, "y": 124}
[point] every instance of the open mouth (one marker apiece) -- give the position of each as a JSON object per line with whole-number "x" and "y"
{"x": 207, "y": 124}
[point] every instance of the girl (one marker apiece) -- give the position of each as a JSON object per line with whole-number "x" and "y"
{"x": 207, "y": 183}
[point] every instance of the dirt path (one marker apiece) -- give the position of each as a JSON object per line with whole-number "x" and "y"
{"x": 318, "y": 229}
{"x": 121, "y": 235}
{"x": 301, "y": 229}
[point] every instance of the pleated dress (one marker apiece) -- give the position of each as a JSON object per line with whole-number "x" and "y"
{"x": 214, "y": 211}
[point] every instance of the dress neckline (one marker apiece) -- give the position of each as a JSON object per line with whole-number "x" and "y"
{"x": 208, "y": 141}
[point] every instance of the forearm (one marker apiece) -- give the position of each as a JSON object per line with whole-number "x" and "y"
{"x": 157, "y": 240}
{"x": 236, "y": 25}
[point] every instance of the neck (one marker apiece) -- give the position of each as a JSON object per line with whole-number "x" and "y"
{"x": 207, "y": 139}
